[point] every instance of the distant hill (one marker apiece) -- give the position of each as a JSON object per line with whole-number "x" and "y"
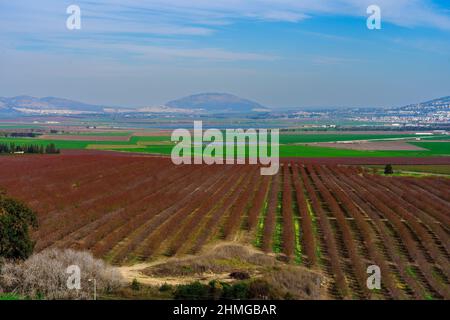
{"x": 217, "y": 103}
{"x": 434, "y": 105}
{"x": 46, "y": 105}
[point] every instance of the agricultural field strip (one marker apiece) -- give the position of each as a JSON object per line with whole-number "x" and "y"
{"x": 422, "y": 201}
{"x": 307, "y": 239}
{"x": 110, "y": 181}
{"x": 133, "y": 193}
{"x": 413, "y": 248}
{"x": 429, "y": 188}
{"x": 174, "y": 240}
{"x": 195, "y": 219}
{"x": 30, "y": 177}
{"x": 438, "y": 196}
{"x": 395, "y": 251}
{"x": 59, "y": 183}
{"x": 369, "y": 236}
{"x": 425, "y": 239}
{"x": 104, "y": 199}
{"x": 440, "y": 237}
{"x": 424, "y": 252}
{"x": 270, "y": 218}
{"x": 140, "y": 233}
{"x": 127, "y": 219}
{"x": 240, "y": 209}
{"x": 347, "y": 238}
{"x": 419, "y": 232}
{"x": 329, "y": 240}
{"x": 255, "y": 211}
{"x": 214, "y": 218}
{"x": 413, "y": 233}
{"x": 86, "y": 219}
{"x": 288, "y": 231}
{"x": 157, "y": 236}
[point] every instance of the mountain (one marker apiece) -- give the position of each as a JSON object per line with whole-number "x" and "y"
{"x": 46, "y": 105}
{"x": 442, "y": 104}
{"x": 216, "y": 103}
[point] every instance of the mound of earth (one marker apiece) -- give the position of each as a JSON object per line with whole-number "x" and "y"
{"x": 224, "y": 261}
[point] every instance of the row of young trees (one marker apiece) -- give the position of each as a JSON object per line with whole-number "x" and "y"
{"x": 29, "y": 148}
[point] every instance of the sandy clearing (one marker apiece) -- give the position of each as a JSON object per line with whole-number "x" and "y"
{"x": 136, "y": 271}
{"x": 129, "y": 273}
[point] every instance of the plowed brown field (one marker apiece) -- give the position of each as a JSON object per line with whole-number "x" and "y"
{"x": 332, "y": 218}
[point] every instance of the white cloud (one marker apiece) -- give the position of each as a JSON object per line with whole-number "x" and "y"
{"x": 199, "y": 17}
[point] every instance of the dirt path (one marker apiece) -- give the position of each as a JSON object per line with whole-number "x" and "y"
{"x": 136, "y": 271}
{"x": 129, "y": 273}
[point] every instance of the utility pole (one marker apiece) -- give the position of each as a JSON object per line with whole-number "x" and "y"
{"x": 95, "y": 287}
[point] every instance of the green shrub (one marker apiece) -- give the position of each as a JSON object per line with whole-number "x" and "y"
{"x": 193, "y": 291}
{"x": 135, "y": 285}
{"x": 388, "y": 169}
{"x": 165, "y": 288}
{"x": 239, "y": 290}
{"x": 15, "y": 221}
{"x": 216, "y": 289}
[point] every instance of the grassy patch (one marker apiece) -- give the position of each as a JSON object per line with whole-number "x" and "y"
{"x": 418, "y": 171}
{"x": 410, "y": 270}
{"x": 262, "y": 219}
{"x": 308, "y": 138}
{"x": 10, "y": 296}
{"x": 277, "y": 236}
{"x": 435, "y": 148}
{"x": 163, "y": 145}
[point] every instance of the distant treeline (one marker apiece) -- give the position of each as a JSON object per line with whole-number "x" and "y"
{"x": 368, "y": 128}
{"x": 29, "y": 148}
{"x": 19, "y": 134}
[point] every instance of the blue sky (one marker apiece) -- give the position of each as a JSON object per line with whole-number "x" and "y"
{"x": 283, "y": 53}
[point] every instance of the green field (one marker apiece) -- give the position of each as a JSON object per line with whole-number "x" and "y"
{"x": 309, "y": 138}
{"x": 10, "y": 296}
{"x": 318, "y": 152}
{"x": 288, "y": 146}
{"x": 437, "y": 148}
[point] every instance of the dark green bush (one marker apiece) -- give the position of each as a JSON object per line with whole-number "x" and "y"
{"x": 135, "y": 285}
{"x": 165, "y": 288}
{"x": 192, "y": 291}
{"x": 15, "y": 221}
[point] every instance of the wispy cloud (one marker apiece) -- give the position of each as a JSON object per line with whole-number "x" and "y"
{"x": 162, "y": 48}
{"x": 327, "y": 60}
{"x": 141, "y": 15}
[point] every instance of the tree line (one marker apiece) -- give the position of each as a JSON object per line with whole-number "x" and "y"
{"x": 28, "y": 148}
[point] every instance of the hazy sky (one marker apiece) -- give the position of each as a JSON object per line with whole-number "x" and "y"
{"x": 281, "y": 53}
